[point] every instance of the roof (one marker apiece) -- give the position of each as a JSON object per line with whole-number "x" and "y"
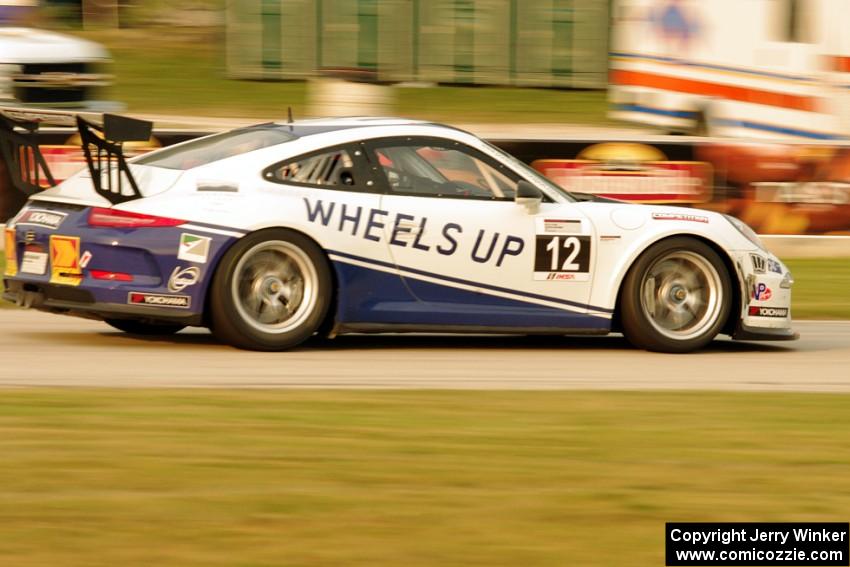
{"x": 302, "y": 128}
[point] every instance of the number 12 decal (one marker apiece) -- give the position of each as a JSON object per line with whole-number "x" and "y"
{"x": 573, "y": 245}
{"x": 561, "y": 257}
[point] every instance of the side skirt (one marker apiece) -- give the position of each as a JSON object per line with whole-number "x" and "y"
{"x": 341, "y": 329}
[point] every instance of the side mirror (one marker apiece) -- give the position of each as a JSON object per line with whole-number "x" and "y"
{"x": 528, "y": 196}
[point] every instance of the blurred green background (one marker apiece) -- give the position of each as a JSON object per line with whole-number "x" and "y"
{"x": 200, "y": 48}
{"x": 148, "y": 76}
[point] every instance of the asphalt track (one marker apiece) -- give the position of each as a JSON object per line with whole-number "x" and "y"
{"x": 42, "y": 350}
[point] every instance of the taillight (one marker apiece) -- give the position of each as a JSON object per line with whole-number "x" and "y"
{"x": 113, "y": 218}
{"x": 112, "y": 276}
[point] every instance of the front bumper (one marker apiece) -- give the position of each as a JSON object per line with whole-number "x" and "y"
{"x": 765, "y": 289}
{"x": 745, "y": 333}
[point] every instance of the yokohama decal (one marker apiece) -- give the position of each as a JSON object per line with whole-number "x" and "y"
{"x": 159, "y": 300}
{"x": 776, "y": 312}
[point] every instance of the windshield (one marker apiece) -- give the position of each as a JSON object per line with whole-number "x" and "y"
{"x": 530, "y": 172}
{"x": 206, "y": 150}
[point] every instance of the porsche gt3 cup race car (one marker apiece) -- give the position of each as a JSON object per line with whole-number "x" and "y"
{"x": 272, "y": 233}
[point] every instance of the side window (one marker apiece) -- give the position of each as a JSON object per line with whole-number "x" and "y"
{"x": 333, "y": 168}
{"x": 434, "y": 169}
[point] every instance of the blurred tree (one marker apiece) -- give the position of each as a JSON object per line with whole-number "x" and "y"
{"x": 100, "y": 14}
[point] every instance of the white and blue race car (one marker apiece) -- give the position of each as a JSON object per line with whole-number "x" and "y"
{"x": 272, "y": 233}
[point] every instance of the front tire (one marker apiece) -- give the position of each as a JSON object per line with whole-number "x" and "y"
{"x": 676, "y": 297}
{"x": 271, "y": 291}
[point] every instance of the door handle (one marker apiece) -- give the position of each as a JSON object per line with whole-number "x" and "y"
{"x": 408, "y": 229}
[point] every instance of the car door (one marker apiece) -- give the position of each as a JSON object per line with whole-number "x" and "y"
{"x": 468, "y": 252}
{"x": 336, "y": 191}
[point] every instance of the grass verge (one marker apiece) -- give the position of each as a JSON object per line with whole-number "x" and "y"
{"x": 105, "y": 477}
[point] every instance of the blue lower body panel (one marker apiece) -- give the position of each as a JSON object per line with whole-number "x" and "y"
{"x": 370, "y": 296}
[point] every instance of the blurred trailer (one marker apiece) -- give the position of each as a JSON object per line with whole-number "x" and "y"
{"x": 776, "y": 69}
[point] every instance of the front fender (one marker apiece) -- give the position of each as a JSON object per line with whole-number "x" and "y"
{"x": 616, "y": 259}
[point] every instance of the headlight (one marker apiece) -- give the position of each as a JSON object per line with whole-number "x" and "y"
{"x": 748, "y": 233}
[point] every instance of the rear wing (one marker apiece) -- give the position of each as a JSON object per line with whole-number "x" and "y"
{"x": 104, "y": 151}
{"x": 19, "y": 149}
{"x": 102, "y": 146}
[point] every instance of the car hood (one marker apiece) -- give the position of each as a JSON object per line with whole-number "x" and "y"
{"x": 28, "y": 45}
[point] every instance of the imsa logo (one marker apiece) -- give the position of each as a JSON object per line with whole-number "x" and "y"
{"x": 159, "y": 300}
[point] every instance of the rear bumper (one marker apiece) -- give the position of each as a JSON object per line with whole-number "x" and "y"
{"x": 80, "y": 302}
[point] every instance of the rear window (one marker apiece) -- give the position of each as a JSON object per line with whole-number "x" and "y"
{"x": 206, "y": 150}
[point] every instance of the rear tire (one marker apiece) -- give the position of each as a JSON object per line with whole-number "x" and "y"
{"x": 141, "y": 328}
{"x": 271, "y": 291}
{"x": 676, "y": 297}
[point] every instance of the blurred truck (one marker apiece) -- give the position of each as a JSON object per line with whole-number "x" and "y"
{"x": 754, "y": 69}
{"x": 48, "y": 69}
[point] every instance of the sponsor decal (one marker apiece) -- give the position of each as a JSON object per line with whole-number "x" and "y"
{"x": 761, "y": 292}
{"x": 403, "y": 230}
{"x": 85, "y": 259}
{"x": 34, "y": 262}
{"x": 776, "y": 312}
{"x": 47, "y": 219}
{"x": 679, "y": 217}
{"x": 759, "y": 263}
{"x": 559, "y": 226}
{"x": 10, "y": 253}
{"x": 181, "y": 278}
{"x": 65, "y": 260}
{"x": 159, "y": 300}
{"x": 194, "y": 248}
{"x": 774, "y": 266}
